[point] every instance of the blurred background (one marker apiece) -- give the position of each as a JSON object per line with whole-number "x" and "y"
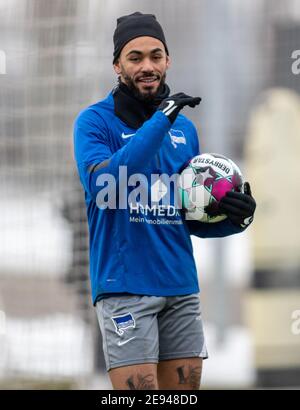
{"x": 243, "y": 59}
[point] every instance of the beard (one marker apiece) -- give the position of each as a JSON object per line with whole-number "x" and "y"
{"x": 146, "y": 96}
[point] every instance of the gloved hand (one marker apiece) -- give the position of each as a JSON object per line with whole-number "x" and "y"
{"x": 239, "y": 207}
{"x": 172, "y": 105}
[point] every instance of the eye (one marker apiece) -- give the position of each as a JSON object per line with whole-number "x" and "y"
{"x": 157, "y": 57}
{"x": 134, "y": 59}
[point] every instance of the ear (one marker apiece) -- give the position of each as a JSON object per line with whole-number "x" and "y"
{"x": 117, "y": 67}
{"x": 168, "y": 61}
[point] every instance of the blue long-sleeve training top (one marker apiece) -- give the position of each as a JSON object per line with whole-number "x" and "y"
{"x": 137, "y": 248}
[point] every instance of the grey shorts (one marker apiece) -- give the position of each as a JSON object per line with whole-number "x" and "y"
{"x": 147, "y": 329}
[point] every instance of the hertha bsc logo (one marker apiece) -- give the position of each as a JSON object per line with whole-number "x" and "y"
{"x": 123, "y": 322}
{"x": 177, "y": 137}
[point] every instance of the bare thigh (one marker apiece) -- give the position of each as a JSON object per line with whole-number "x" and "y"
{"x": 135, "y": 377}
{"x": 180, "y": 374}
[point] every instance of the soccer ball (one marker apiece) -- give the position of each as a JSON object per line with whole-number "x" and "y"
{"x": 204, "y": 182}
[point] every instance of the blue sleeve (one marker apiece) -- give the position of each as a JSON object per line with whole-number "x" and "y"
{"x": 213, "y": 230}
{"x": 92, "y": 147}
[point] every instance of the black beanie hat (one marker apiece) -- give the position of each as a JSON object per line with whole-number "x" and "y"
{"x": 136, "y": 25}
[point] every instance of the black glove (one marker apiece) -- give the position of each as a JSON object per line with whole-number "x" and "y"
{"x": 239, "y": 207}
{"x": 172, "y": 105}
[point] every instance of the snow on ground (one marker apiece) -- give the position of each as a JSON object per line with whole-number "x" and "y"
{"x": 35, "y": 239}
{"x": 53, "y": 346}
{"x": 61, "y": 346}
{"x": 232, "y": 362}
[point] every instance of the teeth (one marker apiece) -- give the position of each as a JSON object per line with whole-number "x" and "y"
{"x": 148, "y": 80}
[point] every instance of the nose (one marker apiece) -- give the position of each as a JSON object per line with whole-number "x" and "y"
{"x": 147, "y": 65}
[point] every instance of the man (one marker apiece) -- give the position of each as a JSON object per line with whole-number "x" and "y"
{"x": 143, "y": 274}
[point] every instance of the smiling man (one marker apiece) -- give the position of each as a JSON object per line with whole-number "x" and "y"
{"x": 145, "y": 84}
{"x": 143, "y": 275}
{"x": 141, "y": 56}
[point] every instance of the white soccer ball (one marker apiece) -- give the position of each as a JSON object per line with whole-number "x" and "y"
{"x": 204, "y": 182}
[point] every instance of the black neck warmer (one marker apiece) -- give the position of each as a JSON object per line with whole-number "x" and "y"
{"x": 131, "y": 110}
